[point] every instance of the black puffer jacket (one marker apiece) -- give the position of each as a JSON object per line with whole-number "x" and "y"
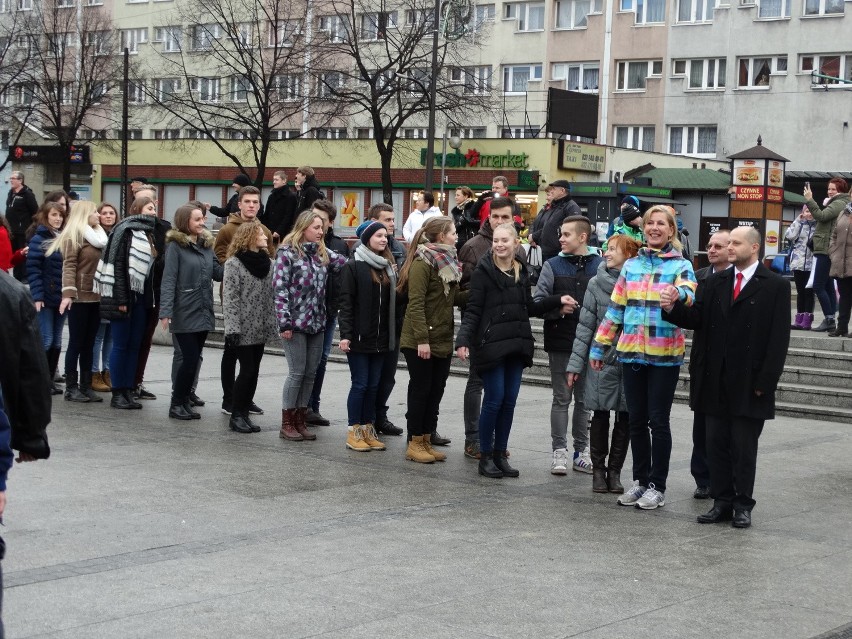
{"x": 545, "y": 228}
{"x": 20, "y": 208}
{"x": 280, "y": 213}
{"x": 364, "y": 306}
{"x": 496, "y": 322}
{"x": 308, "y": 194}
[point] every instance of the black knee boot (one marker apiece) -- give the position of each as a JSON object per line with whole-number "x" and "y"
{"x": 618, "y": 452}
{"x": 598, "y": 449}
{"x": 86, "y": 387}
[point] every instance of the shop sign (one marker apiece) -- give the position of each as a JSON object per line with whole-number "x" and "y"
{"x": 528, "y": 180}
{"x": 749, "y": 193}
{"x": 748, "y": 172}
{"x": 473, "y": 159}
{"x": 774, "y": 195}
{"x": 583, "y": 157}
{"x": 48, "y": 154}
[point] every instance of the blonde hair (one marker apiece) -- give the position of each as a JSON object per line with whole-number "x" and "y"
{"x": 671, "y": 218}
{"x": 513, "y": 232}
{"x": 296, "y": 237}
{"x": 244, "y": 237}
{"x": 70, "y": 239}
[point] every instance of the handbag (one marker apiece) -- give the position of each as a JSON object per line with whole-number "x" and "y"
{"x": 534, "y": 264}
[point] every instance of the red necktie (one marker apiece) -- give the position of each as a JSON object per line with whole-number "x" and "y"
{"x": 738, "y": 285}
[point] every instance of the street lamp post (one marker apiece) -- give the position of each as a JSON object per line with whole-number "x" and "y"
{"x": 455, "y": 143}
{"x": 430, "y": 132}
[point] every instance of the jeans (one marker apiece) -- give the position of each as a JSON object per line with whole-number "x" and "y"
{"x": 127, "y": 334}
{"x": 387, "y": 381}
{"x": 51, "y": 323}
{"x": 426, "y": 383}
{"x": 102, "y": 348}
{"x": 501, "y": 385}
{"x": 177, "y": 360}
{"x": 649, "y": 391}
{"x": 472, "y": 405}
{"x": 246, "y": 383}
{"x": 844, "y": 306}
{"x": 303, "y": 353}
{"x": 191, "y": 345}
{"x": 151, "y": 319}
{"x": 824, "y": 285}
{"x": 328, "y": 342}
{"x": 366, "y": 371}
{"x": 804, "y": 296}
{"x": 84, "y": 319}
{"x": 561, "y": 403}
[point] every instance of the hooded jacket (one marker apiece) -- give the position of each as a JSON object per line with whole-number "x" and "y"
{"x": 186, "y": 295}
{"x": 44, "y": 274}
{"x": 826, "y": 219}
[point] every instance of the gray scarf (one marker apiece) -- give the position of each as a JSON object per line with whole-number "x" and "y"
{"x": 376, "y": 261}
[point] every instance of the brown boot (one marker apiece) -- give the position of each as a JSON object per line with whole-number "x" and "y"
{"x": 355, "y": 439}
{"x": 288, "y": 431}
{"x": 427, "y": 446}
{"x": 301, "y": 425}
{"x": 107, "y": 379}
{"x": 99, "y": 384}
{"x": 416, "y": 451}
{"x": 370, "y": 437}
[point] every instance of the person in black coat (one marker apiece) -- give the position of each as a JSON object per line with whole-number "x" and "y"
{"x": 497, "y": 323}
{"x": 742, "y": 332}
{"x": 307, "y": 189}
{"x": 21, "y": 205}
{"x": 222, "y": 212}
{"x": 280, "y": 212}
{"x": 545, "y": 228}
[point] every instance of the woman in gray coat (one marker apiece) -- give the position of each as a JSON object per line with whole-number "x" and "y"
{"x": 249, "y": 310}
{"x": 604, "y": 391}
{"x": 186, "y": 298}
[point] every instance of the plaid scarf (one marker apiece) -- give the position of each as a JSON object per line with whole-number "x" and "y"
{"x": 141, "y": 258}
{"x": 443, "y": 259}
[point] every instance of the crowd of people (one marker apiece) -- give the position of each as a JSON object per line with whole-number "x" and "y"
{"x": 613, "y": 320}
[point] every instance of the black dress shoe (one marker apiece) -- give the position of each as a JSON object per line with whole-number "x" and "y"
{"x": 387, "y": 427}
{"x": 437, "y": 440}
{"x": 742, "y": 519}
{"x": 487, "y": 467}
{"x": 314, "y": 418}
{"x": 187, "y": 406}
{"x": 715, "y": 515}
{"x": 254, "y": 427}
{"x": 238, "y": 424}
{"x": 178, "y": 411}
{"x": 195, "y": 400}
{"x": 702, "y": 492}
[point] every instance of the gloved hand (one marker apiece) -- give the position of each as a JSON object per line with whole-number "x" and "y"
{"x": 232, "y": 340}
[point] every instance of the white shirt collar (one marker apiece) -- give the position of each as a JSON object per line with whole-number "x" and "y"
{"x": 747, "y": 272}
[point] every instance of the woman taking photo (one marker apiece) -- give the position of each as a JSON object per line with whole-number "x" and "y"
{"x": 249, "y": 314}
{"x": 497, "y": 323}
{"x": 80, "y": 243}
{"x": 103, "y": 340}
{"x": 430, "y": 277}
{"x": 840, "y": 252}
{"x": 826, "y": 217}
{"x": 603, "y": 389}
{"x": 367, "y": 329}
{"x": 650, "y": 348}
{"x": 801, "y": 261}
{"x": 302, "y": 266}
{"x": 124, "y": 282}
{"x": 44, "y": 275}
{"x": 467, "y": 225}
{"x": 186, "y": 298}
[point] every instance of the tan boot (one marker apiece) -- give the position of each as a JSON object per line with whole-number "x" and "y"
{"x": 107, "y": 379}
{"x": 355, "y": 439}
{"x": 288, "y": 431}
{"x": 427, "y": 446}
{"x": 98, "y": 383}
{"x": 369, "y": 434}
{"x": 300, "y": 424}
{"x": 416, "y": 451}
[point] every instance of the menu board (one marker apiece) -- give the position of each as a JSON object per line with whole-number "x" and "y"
{"x": 749, "y": 173}
{"x": 776, "y": 174}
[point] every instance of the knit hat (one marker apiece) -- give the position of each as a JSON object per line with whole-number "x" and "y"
{"x": 242, "y": 180}
{"x": 367, "y": 229}
{"x": 631, "y": 211}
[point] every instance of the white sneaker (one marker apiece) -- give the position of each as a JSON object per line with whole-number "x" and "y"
{"x": 559, "y": 465}
{"x": 651, "y": 499}
{"x": 632, "y": 494}
{"x": 582, "y": 462}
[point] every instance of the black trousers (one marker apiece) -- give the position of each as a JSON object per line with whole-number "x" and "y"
{"x": 698, "y": 464}
{"x": 428, "y": 378}
{"x": 190, "y": 349}
{"x": 84, "y": 320}
{"x": 732, "y": 456}
{"x": 246, "y": 382}
{"x": 844, "y": 305}
{"x": 227, "y": 371}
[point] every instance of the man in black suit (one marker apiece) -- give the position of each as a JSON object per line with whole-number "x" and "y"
{"x": 742, "y": 331}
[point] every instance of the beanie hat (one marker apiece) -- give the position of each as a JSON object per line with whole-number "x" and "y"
{"x": 631, "y": 211}
{"x": 367, "y": 229}
{"x": 242, "y": 180}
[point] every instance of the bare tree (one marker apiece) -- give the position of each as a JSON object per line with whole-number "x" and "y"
{"x": 70, "y": 67}
{"x": 235, "y": 69}
{"x": 379, "y": 63}
{"x": 12, "y": 60}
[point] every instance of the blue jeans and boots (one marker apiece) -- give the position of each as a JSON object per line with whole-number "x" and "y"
{"x": 127, "y": 335}
{"x": 51, "y": 324}
{"x": 501, "y": 385}
{"x": 313, "y": 416}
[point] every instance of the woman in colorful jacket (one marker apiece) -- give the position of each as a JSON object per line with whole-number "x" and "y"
{"x": 302, "y": 266}
{"x": 801, "y": 261}
{"x": 651, "y": 350}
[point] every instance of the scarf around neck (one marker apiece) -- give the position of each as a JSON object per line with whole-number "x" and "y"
{"x": 442, "y": 257}
{"x": 95, "y": 236}
{"x": 363, "y": 254}
{"x": 134, "y": 230}
{"x": 256, "y": 262}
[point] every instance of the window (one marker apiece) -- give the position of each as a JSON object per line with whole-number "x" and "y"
{"x": 650, "y": 11}
{"x": 25, "y": 94}
{"x": 4, "y": 7}
{"x": 518, "y": 132}
{"x": 195, "y": 134}
{"x": 476, "y": 80}
{"x": 26, "y": 43}
{"x": 165, "y": 134}
{"x": 284, "y": 33}
{"x": 483, "y": 13}
{"x": 695, "y": 11}
{"x": 517, "y": 78}
{"x": 578, "y": 76}
{"x": 239, "y": 88}
{"x": 66, "y": 93}
{"x": 693, "y": 140}
{"x": 58, "y": 43}
{"x": 329, "y": 83}
{"x": 571, "y": 14}
{"x": 90, "y": 134}
{"x": 635, "y": 137}
{"x": 334, "y": 27}
{"x": 203, "y": 36}
{"x": 375, "y": 25}
{"x": 132, "y": 38}
{"x": 469, "y": 133}
{"x": 98, "y": 92}
{"x": 827, "y": 70}
{"x": 25, "y": 5}
{"x": 166, "y": 89}
{"x": 702, "y": 74}
{"x": 364, "y": 133}
{"x": 97, "y": 42}
{"x": 205, "y": 89}
{"x": 755, "y": 72}
{"x": 132, "y": 134}
{"x": 529, "y": 15}
{"x": 769, "y": 9}
{"x": 169, "y": 37}
{"x": 410, "y": 133}
{"x": 136, "y": 1}
{"x": 285, "y": 134}
{"x": 64, "y": 3}
{"x": 417, "y": 83}
{"x": 632, "y": 75}
{"x": 331, "y": 134}
{"x": 823, "y": 7}
{"x": 95, "y": 3}
{"x": 243, "y": 35}
{"x": 288, "y": 86}
{"x": 136, "y": 92}
{"x": 424, "y": 18}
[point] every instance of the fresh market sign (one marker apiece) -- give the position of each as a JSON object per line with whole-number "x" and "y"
{"x": 473, "y": 159}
